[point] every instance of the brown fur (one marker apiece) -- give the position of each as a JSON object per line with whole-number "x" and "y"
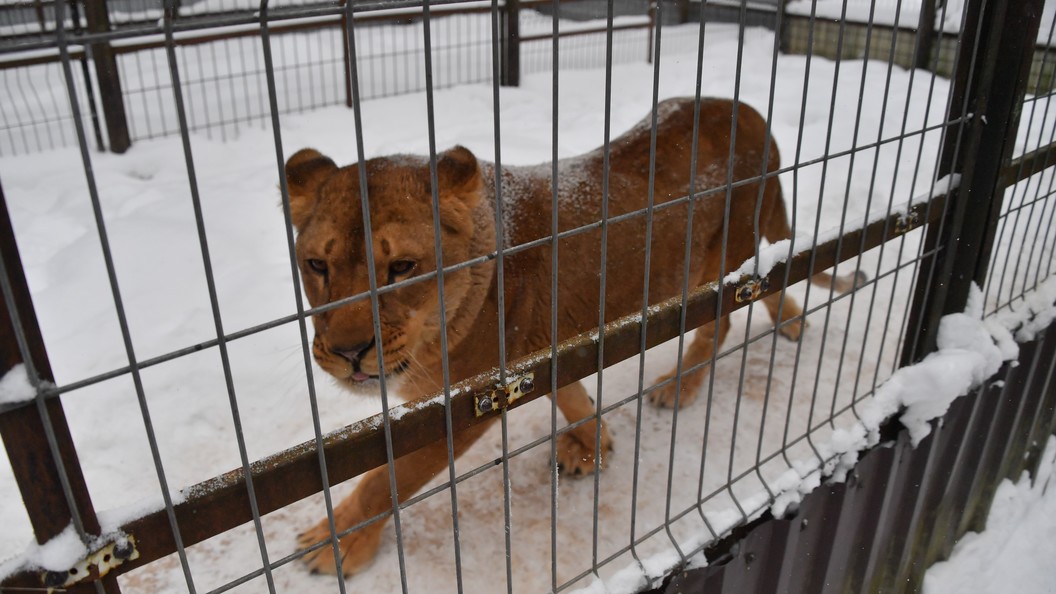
{"x": 327, "y": 212}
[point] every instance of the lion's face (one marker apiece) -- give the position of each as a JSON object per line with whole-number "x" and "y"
{"x": 326, "y": 205}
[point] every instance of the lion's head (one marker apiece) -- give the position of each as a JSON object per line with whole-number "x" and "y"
{"x": 326, "y": 209}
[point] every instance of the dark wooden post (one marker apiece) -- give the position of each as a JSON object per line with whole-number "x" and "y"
{"x": 784, "y": 31}
{"x": 510, "y": 44}
{"x": 23, "y": 429}
{"x": 347, "y": 52}
{"x": 994, "y": 80}
{"x": 925, "y": 34}
{"x": 109, "y": 79}
{"x": 683, "y": 11}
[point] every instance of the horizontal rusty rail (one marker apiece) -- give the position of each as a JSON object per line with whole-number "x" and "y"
{"x": 580, "y": 32}
{"x": 1029, "y": 164}
{"x": 222, "y": 503}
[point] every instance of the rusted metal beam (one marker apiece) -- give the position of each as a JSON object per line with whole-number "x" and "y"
{"x": 1029, "y": 164}
{"x": 221, "y": 503}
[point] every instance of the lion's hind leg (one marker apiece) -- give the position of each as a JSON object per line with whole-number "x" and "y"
{"x": 787, "y": 315}
{"x": 697, "y": 354}
{"x": 576, "y": 451}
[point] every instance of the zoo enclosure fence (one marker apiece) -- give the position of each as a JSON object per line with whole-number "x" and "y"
{"x": 966, "y": 231}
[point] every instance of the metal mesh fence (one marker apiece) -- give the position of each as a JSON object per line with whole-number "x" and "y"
{"x": 575, "y": 270}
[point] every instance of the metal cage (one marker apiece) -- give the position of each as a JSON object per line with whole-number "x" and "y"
{"x": 131, "y": 142}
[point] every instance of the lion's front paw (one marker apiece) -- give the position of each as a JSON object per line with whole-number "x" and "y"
{"x": 357, "y": 549}
{"x": 575, "y": 450}
{"x": 665, "y": 396}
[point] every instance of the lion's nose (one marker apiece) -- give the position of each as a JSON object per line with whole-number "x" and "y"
{"x": 354, "y": 353}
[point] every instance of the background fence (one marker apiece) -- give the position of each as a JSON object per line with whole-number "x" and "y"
{"x": 132, "y": 269}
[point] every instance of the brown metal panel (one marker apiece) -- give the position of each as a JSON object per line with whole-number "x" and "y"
{"x": 866, "y": 486}
{"x": 757, "y": 560}
{"x": 1046, "y": 411}
{"x": 816, "y": 527}
{"x": 912, "y": 560}
{"x": 831, "y": 559}
{"x": 952, "y": 442}
{"x": 1015, "y": 459}
{"x": 984, "y": 482}
{"x": 984, "y": 402}
{"x": 909, "y": 472}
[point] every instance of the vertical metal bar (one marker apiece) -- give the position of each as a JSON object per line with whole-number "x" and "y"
{"x": 554, "y": 206}
{"x": 868, "y": 209}
{"x": 427, "y": 41}
{"x": 119, "y": 308}
{"x": 603, "y": 277}
{"x": 302, "y": 326}
{"x": 203, "y": 242}
{"x": 711, "y": 367}
{"x": 843, "y": 213}
{"x": 793, "y": 223}
{"x": 98, "y": 20}
{"x": 969, "y": 229}
{"x": 890, "y": 201}
{"x": 967, "y": 35}
{"x": 791, "y": 250}
{"x": 372, "y": 279}
{"x": 728, "y": 202}
{"x": 500, "y": 278}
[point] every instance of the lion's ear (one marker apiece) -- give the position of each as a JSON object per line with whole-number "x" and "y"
{"x": 458, "y": 174}
{"x": 305, "y": 172}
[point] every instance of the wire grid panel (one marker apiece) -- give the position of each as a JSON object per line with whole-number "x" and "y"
{"x": 225, "y": 79}
{"x": 1022, "y": 254}
{"x": 35, "y": 115}
{"x": 858, "y": 140}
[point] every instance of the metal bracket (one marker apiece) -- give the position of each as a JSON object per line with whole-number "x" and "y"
{"x": 751, "y": 290}
{"x": 94, "y": 566}
{"x": 503, "y": 396}
{"x": 906, "y": 221}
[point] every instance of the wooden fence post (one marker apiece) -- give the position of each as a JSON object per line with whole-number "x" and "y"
{"x": 926, "y": 34}
{"x": 510, "y": 44}
{"x": 24, "y": 430}
{"x": 106, "y": 73}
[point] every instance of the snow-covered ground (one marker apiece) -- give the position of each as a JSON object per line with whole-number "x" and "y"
{"x": 758, "y": 423}
{"x": 1016, "y": 552}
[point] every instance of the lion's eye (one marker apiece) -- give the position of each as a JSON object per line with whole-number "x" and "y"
{"x": 401, "y": 267}
{"x": 317, "y": 265}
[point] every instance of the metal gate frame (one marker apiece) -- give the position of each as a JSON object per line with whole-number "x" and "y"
{"x": 961, "y": 229}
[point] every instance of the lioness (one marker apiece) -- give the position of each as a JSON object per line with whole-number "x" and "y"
{"x": 326, "y": 207}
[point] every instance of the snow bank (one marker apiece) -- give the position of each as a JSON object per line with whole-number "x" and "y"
{"x": 1015, "y": 552}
